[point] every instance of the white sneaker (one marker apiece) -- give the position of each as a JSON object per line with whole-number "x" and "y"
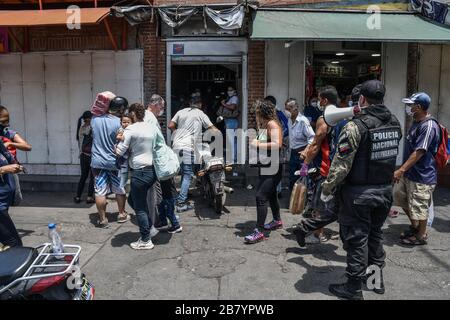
{"x": 235, "y": 174}
{"x": 141, "y": 245}
{"x": 153, "y": 232}
{"x": 312, "y": 239}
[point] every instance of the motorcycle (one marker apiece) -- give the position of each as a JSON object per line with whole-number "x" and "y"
{"x": 39, "y": 274}
{"x": 212, "y": 178}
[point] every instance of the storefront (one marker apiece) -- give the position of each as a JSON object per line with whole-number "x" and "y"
{"x": 307, "y": 49}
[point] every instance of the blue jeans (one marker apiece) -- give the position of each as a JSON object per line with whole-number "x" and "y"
{"x": 141, "y": 181}
{"x": 166, "y": 210}
{"x": 231, "y": 125}
{"x": 294, "y": 165}
{"x": 187, "y": 170}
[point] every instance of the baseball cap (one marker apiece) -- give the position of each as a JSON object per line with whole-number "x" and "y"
{"x": 420, "y": 98}
{"x": 373, "y": 89}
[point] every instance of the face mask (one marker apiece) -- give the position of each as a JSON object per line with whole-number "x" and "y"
{"x": 314, "y": 104}
{"x": 287, "y": 113}
{"x": 3, "y": 130}
{"x": 320, "y": 107}
{"x": 161, "y": 112}
{"x": 409, "y": 111}
{"x": 230, "y": 93}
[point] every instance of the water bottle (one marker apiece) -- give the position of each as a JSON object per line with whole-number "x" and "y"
{"x": 57, "y": 245}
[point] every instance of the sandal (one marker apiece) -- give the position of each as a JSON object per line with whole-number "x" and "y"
{"x": 123, "y": 218}
{"x": 103, "y": 224}
{"x": 409, "y": 233}
{"x": 414, "y": 241}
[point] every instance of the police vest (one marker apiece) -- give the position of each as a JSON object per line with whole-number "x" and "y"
{"x": 375, "y": 160}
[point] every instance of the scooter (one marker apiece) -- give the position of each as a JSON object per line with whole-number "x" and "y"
{"x": 212, "y": 178}
{"x": 39, "y": 274}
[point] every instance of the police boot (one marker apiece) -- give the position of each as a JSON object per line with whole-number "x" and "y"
{"x": 350, "y": 290}
{"x": 371, "y": 286}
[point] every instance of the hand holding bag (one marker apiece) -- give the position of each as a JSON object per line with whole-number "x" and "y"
{"x": 298, "y": 196}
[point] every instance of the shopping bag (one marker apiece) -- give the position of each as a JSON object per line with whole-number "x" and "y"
{"x": 298, "y": 196}
{"x": 165, "y": 160}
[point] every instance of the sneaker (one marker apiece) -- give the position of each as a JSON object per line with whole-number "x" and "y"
{"x": 153, "y": 232}
{"x": 142, "y": 245}
{"x": 161, "y": 225}
{"x": 175, "y": 229}
{"x": 76, "y": 199}
{"x": 182, "y": 207}
{"x": 235, "y": 174}
{"x": 90, "y": 200}
{"x": 254, "y": 237}
{"x": 300, "y": 236}
{"x": 273, "y": 225}
{"x": 312, "y": 239}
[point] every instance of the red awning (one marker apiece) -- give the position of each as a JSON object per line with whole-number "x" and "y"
{"x": 23, "y": 18}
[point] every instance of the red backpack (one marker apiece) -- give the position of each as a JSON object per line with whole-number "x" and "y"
{"x": 441, "y": 155}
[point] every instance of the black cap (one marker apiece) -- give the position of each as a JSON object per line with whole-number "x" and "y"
{"x": 373, "y": 89}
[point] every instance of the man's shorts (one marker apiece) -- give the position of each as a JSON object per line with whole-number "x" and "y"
{"x": 413, "y": 197}
{"x": 106, "y": 182}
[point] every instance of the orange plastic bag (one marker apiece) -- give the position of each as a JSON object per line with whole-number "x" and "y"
{"x": 298, "y": 196}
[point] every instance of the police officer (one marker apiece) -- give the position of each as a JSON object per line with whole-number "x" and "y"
{"x": 363, "y": 168}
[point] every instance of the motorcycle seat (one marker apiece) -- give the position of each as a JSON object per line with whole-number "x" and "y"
{"x": 14, "y": 262}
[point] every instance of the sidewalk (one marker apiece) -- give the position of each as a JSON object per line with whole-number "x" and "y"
{"x": 209, "y": 260}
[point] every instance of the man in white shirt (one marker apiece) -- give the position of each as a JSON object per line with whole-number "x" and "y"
{"x": 301, "y": 134}
{"x": 187, "y": 125}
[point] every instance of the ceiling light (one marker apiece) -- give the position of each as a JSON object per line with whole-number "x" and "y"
{"x": 376, "y": 54}
{"x": 334, "y": 62}
{"x": 340, "y": 54}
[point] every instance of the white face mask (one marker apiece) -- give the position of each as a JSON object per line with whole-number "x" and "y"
{"x": 320, "y": 107}
{"x": 409, "y": 111}
{"x": 161, "y": 112}
{"x": 314, "y": 104}
{"x": 230, "y": 93}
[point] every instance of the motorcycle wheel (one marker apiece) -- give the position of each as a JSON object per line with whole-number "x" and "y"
{"x": 219, "y": 201}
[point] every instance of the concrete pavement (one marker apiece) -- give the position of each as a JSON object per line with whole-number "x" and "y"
{"x": 209, "y": 260}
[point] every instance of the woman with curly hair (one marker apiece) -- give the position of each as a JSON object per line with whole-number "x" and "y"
{"x": 268, "y": 144}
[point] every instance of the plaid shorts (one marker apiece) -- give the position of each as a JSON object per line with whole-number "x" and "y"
{"x": 414, "y": 198}
{"x": 107, "y": 181}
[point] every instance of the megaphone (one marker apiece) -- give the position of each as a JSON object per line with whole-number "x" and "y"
{"x": 333, "y": 114}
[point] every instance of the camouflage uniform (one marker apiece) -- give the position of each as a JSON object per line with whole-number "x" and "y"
{"x": 343, "y": 160}
{"x": 363, "y": 207}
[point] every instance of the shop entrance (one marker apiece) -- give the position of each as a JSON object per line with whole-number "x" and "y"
{"x": 210, "y": 80}
{"x": 344, "y": 67}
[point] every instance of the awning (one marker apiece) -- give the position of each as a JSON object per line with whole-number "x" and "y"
{"x": 22, "y": 18}
{"x": 345, "y": 26}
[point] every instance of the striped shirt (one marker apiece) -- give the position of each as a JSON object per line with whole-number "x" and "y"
{"x": 423, "y": 135}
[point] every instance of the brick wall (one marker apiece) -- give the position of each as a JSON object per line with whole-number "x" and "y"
{"x": 154, "y": 63}
{"x": 256, "y": 77}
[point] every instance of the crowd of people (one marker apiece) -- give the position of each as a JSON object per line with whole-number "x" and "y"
{"x": 354, "y": 181}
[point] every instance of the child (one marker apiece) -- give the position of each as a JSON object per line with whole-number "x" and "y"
{"x": 123, "y": 161}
